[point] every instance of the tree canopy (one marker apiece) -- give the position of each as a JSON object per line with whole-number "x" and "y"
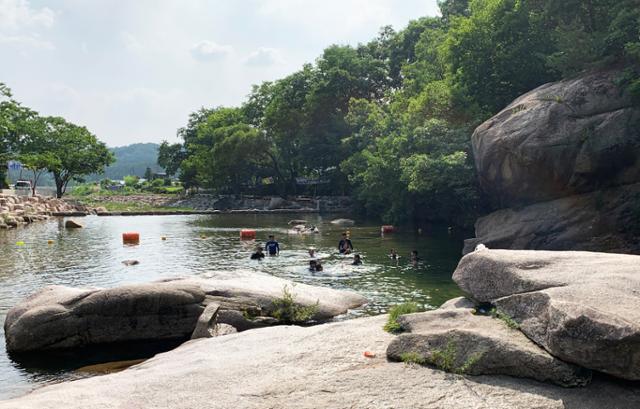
{"x": 389, "y": 121}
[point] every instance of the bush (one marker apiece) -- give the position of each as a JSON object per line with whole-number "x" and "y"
{"x": 130, "y": 181}
{"x": 287, "y": 311}
{"x": 392, "y": 324}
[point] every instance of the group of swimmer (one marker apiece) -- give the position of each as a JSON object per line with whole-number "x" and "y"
{"x": 345, "y": 247}
{"x": 272, "y": 247}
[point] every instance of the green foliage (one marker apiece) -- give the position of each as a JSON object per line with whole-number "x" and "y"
{"x": 389, "y": 121}
{"x": 445, "y": 359}
{"x": 412, "y": 358}
{"x": 131, "y": 180}
{"x": 287, "y": 311}
{"x": 511, "y": 323}
{"x": 396, "y": 311}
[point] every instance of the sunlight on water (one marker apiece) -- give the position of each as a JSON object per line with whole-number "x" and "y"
{"x": 200, "y": 245}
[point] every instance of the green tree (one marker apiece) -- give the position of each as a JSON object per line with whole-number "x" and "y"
{"x": 75, "y": 152}
{"x": 170, "y": 157}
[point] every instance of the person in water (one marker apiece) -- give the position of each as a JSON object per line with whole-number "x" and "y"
{"x": 258, "y": 255}
{"x": 319, "y": 266}
{"x": 312, "y": 252}
{"x": 357, "y": 261}
{"x": 345, "y": 246}
{"x": 272, "y": 246}
{"x": 414, "y": 257}
{"x": 393, "y": 254}
{"x": 313, "y": 265}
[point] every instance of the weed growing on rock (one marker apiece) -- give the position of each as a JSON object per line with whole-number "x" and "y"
{"x": 445, "y": 359}
{"x": 396, "y": 311}
{"x": 287, "y": 311}
{"x": 412, "y": 358}
{"x": 511, "y": 323}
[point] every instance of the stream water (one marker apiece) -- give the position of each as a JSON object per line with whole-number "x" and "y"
{"x": 196, "y": 245}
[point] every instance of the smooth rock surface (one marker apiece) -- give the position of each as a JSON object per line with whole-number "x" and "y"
{"x": 316, "y": 367}
{"x": 561, "y": 167}
{"x": 564, "y": 138}
{"x": 72, "y": 224}
{"x": 479, "y": 345}
{"x": 62, "y": 317}
{"x": 582, "y": 307}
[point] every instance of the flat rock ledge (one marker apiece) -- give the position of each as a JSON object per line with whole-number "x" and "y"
{"x": 60, "y": 317}
{"x": 581, "y": 307}
{"x": 457, "y": 340}
{"x": 314, "y": 367}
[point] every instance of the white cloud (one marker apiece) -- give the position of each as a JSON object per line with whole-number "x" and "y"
{"x": 22, "y": 41}
{"x": 264, "y": 56}
{"x": 130, "y": 41}
{"x": 17, "y": 14}
{"x": 210, "y": 51}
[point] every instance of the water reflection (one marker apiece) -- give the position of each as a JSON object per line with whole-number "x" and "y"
{"x": 201, "y": 245}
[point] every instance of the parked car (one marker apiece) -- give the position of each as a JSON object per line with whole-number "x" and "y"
{"x": 22, "y": 187}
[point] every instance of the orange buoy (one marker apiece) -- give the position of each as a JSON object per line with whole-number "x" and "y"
{"x": 247, "y": 234}
{"x": 387, "y": 229}
{"x": 131, "y": 238}
{"x": 369, "y": 354}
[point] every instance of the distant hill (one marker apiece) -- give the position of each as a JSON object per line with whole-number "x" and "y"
{"x": 130, "y": 160}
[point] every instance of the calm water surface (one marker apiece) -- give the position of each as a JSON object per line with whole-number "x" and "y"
{"x": 200, "y": 245}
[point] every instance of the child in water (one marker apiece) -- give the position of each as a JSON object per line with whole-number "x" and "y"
{"x": 357, "y": 261}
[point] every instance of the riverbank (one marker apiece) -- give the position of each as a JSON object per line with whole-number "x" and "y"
{"x": 315, "y": 367}
{"x": 20, "y": 210}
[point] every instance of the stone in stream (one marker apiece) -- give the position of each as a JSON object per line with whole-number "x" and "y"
{"x": 343, "y": 222}
{"x": 581, "y": 307}
{"x": 72, "y": 224}
{"x": 60, "y": 317}
{"x": 456, "y": 340}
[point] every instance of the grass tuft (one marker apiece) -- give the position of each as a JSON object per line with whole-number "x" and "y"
{"x": 396, "y": 311}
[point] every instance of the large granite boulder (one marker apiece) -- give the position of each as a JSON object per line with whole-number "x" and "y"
{"x": 60, "y": 317}
{"x": 315, "y": 367}
{"x": 563, "y": 138}
{"x": 563, "y": 164}
{"x": 581, "y": 307}
{"x": 456, "y": 340}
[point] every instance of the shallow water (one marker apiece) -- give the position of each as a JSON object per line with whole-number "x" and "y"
{"x": 198, "y": 245}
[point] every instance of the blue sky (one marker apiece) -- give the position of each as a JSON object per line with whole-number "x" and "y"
{"x": 133, "y": 70}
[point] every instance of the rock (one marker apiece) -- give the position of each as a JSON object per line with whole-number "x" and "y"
{"x": 61, "y": 317}
{"x": 72, "y": 224}
{"x": 206, "y": 321}
{"x": 564, "y": 138}
{"x": 570, "y": 151}
{"x": 277, "y": 203}
{"x": 455, "y": 303}
{"x": 317, "y": 367}
{"x": 130, "y": 262}
{"x": 599, "y": 221}
{"x": 297, "y": 222}
{"x": 343, "y": 222}
{"x": 458, "y": 341}
{"x": 581, "y": 307}
{"x": 101, "y": 209}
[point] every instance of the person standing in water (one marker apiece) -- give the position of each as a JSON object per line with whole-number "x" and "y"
{"x": 345, "y": 246}
{"x": 272, "y": 246}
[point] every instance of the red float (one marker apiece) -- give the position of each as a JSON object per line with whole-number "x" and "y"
{"x": 387, "y": 229}
{"x": 247, "y": 234}
{"x": 131, "y": 238}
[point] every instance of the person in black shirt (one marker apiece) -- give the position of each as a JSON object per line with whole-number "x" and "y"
{"x": 258, "y": 255}
{"x": 357, "y": 261}
{"x": 345, "y": 246}
{"x": 272, "y": 246}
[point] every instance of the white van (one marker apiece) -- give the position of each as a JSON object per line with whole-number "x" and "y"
{"x": 22, "y": 187}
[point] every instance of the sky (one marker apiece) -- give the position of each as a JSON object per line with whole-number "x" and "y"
{"x": 132, "y": 70}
